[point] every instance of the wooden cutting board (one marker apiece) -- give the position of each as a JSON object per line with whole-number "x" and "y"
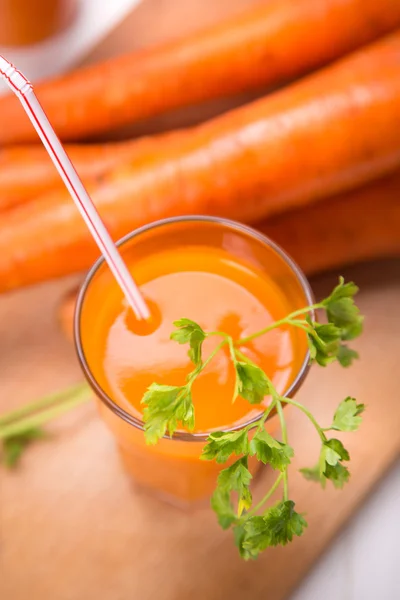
{"x": 73, "y": 527}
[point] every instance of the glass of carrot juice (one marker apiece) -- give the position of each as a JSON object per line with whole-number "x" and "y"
{"x": 226, "y": 277}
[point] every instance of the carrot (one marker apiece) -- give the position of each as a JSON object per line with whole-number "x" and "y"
{"x": 328, "y": 133}
{"x": 361, "y": 225}
{"x": 264, "y": 47}
{"x": 27, "y": 171}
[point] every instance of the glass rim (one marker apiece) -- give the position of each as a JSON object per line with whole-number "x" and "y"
{"x": 228, "y": 223}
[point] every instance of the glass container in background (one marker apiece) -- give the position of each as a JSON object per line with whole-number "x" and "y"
{"x": 26, "y": 22}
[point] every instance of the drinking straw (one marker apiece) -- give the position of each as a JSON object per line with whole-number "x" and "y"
{"x": 24, "y": 90}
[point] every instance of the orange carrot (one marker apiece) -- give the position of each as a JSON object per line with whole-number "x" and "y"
{"x": 27, "y": 171}
{"x": 361, "y": 225}
{"x": 264, "y": 47}
{"x": 328, "y": 133}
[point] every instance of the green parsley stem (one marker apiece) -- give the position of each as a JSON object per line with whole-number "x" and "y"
{"x": 285, "y": 441}
{"x": 81, "y": 394}
{"x": 266, "y": 497}
{"x": 302, "y": 325}
{"x": 306, "y": 327}
{"x": 209, "y": 358}
{"x": 287, "y": 320}
{"x": 308, "y": 414}
{"x": 232, "y": 350}
{"x": 219, "y": 333}
{"x": 243, "y": 357}
{"x": 301, "y": 311}
{"x": 235, "y": 362}
{"x": 265, "y": 415}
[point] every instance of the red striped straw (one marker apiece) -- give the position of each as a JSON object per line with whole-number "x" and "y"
{"x": 24, "y": 90}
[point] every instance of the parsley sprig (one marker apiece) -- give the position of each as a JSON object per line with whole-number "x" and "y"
{"x": 168, "y": 408}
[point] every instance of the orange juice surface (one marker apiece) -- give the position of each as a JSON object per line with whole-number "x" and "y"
{"x": 218, "y": 291}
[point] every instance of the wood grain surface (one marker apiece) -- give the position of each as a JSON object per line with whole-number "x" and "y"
{"x": 73, "y": 527}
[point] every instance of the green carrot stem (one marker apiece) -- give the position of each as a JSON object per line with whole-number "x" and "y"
{"x": 42, "y": 403}
{"x": 81, "y": 394}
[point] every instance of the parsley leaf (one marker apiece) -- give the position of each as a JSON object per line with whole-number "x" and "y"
{"x": 256, "y": 537}
{"x": 346, "y": 355}
{"x": 239, "y": 535}
{"x": 269, "y": 450}
{"x": 252, "y": 384}
{"x": 330, "y": 466}
{"x": 324, "y": 344}
{"x": 344, "y": 323}
{"x": 345, "y": 314}
{"x": 222, "y": 444}
{"x": 223, "y": 507}
{"x": 311, "y": 473}
{"x": 333, "y": 452}
{"x": 347, "y": 417}
{"x": 276, "y": 527}
{"x": 167, "y": 406}
{"x": 338, "y": 474}
{"x": 191, "y": 333}
{"x": 342, "y": 310}
{"x": 284, "y": 522}
{"x": 342, "y": 290}
{"x": 14, "y": 446}
{"x": 237, "y": 478}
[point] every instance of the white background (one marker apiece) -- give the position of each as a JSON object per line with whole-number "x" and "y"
{"x": 361, "y": 564}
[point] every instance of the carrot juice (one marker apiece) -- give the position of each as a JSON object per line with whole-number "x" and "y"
{"x": 222, "y": 275}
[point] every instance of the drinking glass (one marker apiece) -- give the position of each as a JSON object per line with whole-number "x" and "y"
{"x": 172, "y": 468}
